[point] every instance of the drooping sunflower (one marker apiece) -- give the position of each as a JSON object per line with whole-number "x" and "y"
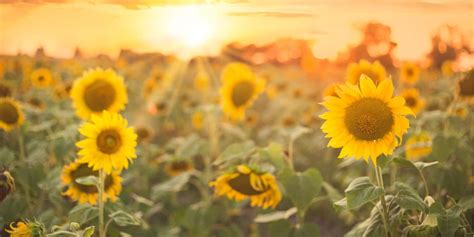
{"x": 177, "y": 167}
{"x": 108, "y": 144}
{"x": 375, "y": 71}
{"x": 41, "y": 78}
{"x": 5, "y": 90}
{"x": 98, "y": 90}
{"x": 465, "y": 87}
{"x": 25, "y": 229}
{"x": 88, "y": 193}
{"x": 240, "y": 88}
{"x": 11, "y": 115}
{"x": 413, "y": 99}
{"x": 246, "y": 183}
{"x": 365, "y": 120}
{"x": 418, "y": 146}
{"x": 7, "y": 184}
{"x": 409, "y": 73}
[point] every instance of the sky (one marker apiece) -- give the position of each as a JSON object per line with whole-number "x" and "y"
{"x": 194, "y": 27}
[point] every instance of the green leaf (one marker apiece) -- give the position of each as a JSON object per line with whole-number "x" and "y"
{"x": 88, "y": 180}
{"x": 275, "y": 216}
{"x": 383, "y": 161}
{"x": 448, "y": 224}
{"x": 467, "y": 203}
{"x": 280, "y": 228}
{"x": 274, "y": 153}
{"x": 6, "y": 156}
{"x": 235, "y": 152}
{"x": 443, "y": 147}
{"x": 421, "y": 165}
{"x": 340, "y": 205}
{"x": 307, "y": 230}
{"x": 83, "y": 213}
{"x": 88, "y": 232}
{"x": 298, "y": 131}
{"x": 408, "y": 198}
{"x": 122, "y": 218}
{"x": 360, "y": 192}
{"x": 174, "y": 184}
{"x": 302, "y": 188}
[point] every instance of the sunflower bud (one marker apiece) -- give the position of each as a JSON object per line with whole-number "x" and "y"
{"x": 7, "y": 184}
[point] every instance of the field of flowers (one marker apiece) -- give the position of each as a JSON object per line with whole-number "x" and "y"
{"x": 151, "y": 145}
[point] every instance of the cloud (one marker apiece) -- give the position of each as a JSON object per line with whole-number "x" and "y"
{"x": 272, "y": 14}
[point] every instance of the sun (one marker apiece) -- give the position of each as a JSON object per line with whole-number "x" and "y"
{"x": 189, "y": 26}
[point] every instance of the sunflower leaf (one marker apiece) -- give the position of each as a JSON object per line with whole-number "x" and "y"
{"x": 88, "y": 180}
{"x": 361, "y": 191}
{"x": 303, "y": 187}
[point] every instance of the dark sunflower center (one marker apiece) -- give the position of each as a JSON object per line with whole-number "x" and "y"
{"x": 180, "y": 165}
{"x": 142, "y": 133}
{"x": 109, "y": 141}
{"x": 36, "y": 102}
{"x": 160, "y": 106}
{"x": 241, "y": 184}
{"x": 41, "y": 78}
{"x": 8, "y": 113}
{"x": 410, "y": 101}
{"x": 242, "y": 93}
{"x": 99, "y": 95}
{"x": 5, "y": 91}
{"x": 410, "y": 72}
{"x": 84, "y": 171}
{"x": 368, "y": 119}
{"x": 466, "y": 86}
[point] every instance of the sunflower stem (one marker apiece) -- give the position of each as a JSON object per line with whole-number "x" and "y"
{"x": 21, "y": 145}
{"x": 101, "y": 203}
{"x": 427, "y": 192}
{"x": 378, "y": 174}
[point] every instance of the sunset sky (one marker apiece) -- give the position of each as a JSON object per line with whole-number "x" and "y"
{"x": 201, "y": 27}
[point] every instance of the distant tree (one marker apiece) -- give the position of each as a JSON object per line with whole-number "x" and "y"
{"x": 448, "y": 42}
{"x": 376, "y": 44}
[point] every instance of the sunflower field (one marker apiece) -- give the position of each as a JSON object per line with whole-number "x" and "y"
{"x": 153, "y": 145}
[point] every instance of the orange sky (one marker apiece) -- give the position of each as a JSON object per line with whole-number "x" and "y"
{"x": 106, "y": 26}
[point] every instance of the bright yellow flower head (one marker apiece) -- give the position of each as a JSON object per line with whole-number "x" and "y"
{"x": 41, "y": 78}
{"x": 409, "y": 73}
{"x": 177, "y": 167}
{"x": 365, "y": 120}
{"x": 20, "y": 229}
{"x": 418, "y": 146}
{"x": 98, "y": 90}
{"x": 413, "y": 99}
{"x": 245, "y": 183}
{"x": 108, "y": 144}
{"x": 88, "y": 193}
{"x": 198, "y": 119}
{"x": 240, "y": 88}
{"x": 11, "y": 115}
{"x": 374, "y": 71}
{"x": 330, "y": 90}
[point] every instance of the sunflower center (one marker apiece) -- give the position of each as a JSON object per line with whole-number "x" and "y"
{"x": 410, "y": 101}
{"x": 5, "y": 91}
{"x": 241, "y": 184}
{"x": 84, "y": 171}
{"x": 41, "y": 78}
{"x": 109, "y": 141}
{"x": 99, "y": 95}
{"x": 180, "y": 165}
{"x": 466, "y": 86}
{"x": 368, "y": 119}
{"x": 8, "y": 113}
{"x": 410, "y": 72}
{"x": 242, "y": 93}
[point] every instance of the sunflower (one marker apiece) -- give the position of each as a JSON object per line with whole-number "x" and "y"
{"x": 98, "y": 90}
{"x": 24, "y": 229}
{"x": 88, "y": 193}
{"x": 177, "y": 167}
{"x": 465, "y": 87}
{"x": 41, "y": 78}
{"x": 198, "y": 120}
{"x": 460, "y": 111}
{"x": 413, "y": 99}
{"x": 7, "y": 184}
{"x": 365, "y": 121}
{"x": 144, "y": 134}
{"x": 202, "y": 81}
{"x": 36, "y": 102}
{"x": 409, "y": 73}
{"x": 330, "y": 90}
{"x": 157, "y": 108}
{"x": 447, "y": 68}
{"x": 11, "y": 115}
{"x": 374, "y": 71}
{"x": 246, "y": 183}
{"x": 108, "y": 144}
{"x": 240, "y": 87}
{"x": 5, "y": 90}
{"x": 418, "y": 146}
